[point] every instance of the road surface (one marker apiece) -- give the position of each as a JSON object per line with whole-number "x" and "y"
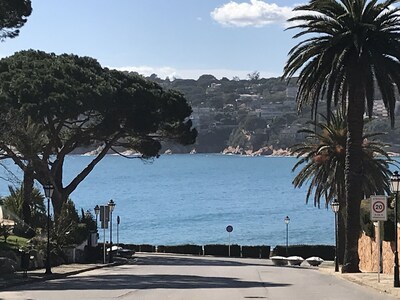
{"x": 157, "y": 276}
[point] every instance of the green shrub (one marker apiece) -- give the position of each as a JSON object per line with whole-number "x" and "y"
{"x": 365, "y": 215}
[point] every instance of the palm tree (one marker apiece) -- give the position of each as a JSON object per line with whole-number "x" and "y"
{"x": 353, "y": 44}
{"x": 322, "y": 157}
{"x": 28, "y": 137}
{"x": 14, "y": 203}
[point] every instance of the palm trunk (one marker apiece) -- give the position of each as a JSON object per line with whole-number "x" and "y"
{"x": 353, "y": 177}
{"x": 341, "y": 232}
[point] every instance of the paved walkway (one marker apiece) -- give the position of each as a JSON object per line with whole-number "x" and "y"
{"x": 38, "y": 274}
{"x": 365, "y": 279}
{"x": 368, "y": 279}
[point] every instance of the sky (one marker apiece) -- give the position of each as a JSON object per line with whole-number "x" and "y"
{"x": 174, "y": 38}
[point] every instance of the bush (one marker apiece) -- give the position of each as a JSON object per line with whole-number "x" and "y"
{"x": 256, "y": 251}
{"x": 222, "y": 250}
{"x": 326, "y": 252}
{"x": 181, "y": 249}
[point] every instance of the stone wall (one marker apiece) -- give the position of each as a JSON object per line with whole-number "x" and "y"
{"x": 367, "y": 251}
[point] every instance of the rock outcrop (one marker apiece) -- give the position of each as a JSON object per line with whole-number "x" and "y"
{"x": 264, "y": 151}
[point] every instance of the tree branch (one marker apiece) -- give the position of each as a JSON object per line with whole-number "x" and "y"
{"x": 85, "y": 172}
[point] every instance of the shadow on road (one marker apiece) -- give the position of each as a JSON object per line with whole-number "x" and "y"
{"x": 188, "y": 261}
{"x": 153, "y": 281}
{"x": 203, "y": 261}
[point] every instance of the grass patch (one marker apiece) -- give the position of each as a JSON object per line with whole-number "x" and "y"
{"x": 13, "y": 242}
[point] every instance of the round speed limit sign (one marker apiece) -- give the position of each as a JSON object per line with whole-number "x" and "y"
{"x": 378, "y": 206}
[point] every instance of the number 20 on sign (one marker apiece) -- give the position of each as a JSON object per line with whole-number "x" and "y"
{"x": 378, "y": 208}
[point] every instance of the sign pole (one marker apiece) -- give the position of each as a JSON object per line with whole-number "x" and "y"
{"x": 379, "y": 213}
{"x": 104, "y": 245}
{"x": 229, "y": 229}
{"x": 378, "y": 242}
{"x": 229, "y": 247}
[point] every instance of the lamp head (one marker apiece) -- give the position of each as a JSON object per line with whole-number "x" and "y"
{"x": 287, "y": 220}
{"x": 395, "y": 182}
{"x": 335, "y": 205}
{"x": 96, "y": 210}
{"x": 48, "y": 190}
{"x": 111, "y": 205}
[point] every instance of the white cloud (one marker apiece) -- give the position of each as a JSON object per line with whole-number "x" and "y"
{"x": 255, "y": 13}
{"x": 170, "y": 72}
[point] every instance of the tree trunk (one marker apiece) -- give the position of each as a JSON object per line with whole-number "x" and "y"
{"x": 27, "y": 190}
{"x": 58, "y": 199}
{"x": 353, "y": 175}
{"x": 341, "y": 233}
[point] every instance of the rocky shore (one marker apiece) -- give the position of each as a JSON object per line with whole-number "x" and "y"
{"x": 265, "y": 151}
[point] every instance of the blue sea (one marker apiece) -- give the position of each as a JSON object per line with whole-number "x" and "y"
{"x": 179, "y": 199}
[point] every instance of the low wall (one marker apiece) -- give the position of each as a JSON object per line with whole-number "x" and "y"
{"x": 368, "y": 253}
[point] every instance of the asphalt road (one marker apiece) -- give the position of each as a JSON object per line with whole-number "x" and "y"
{"x": 189, "y": 278}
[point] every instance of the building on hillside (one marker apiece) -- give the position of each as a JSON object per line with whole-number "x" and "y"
{"x": 271, "y": 110}
{"x": 213, "y": 87}
{"x": 291, "y": 92}
{"x": 203, "y": 117}
{"x": 379, "y": 109}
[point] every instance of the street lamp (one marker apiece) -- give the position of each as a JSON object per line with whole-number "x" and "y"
{"x": 335, "y": 209}
{"x": 395, "y": 187}
{"x": 111, "y": 205}
{"x": 96, "y": 212}
{"x": 48, "y": 192}
{"x": 287, "y": 220}
{"x": 118, "y": 221}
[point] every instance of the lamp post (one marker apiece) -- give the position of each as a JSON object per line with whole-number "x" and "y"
{"x": 395, "y": 187}
{"x": 118, "y": 221}
{"x": 287, "y": 220}
{"x": 111, "y": 205}
{"x": 96, "y": 212}
{"x": 335, "y": 209}
{"x": 48, "y": 192}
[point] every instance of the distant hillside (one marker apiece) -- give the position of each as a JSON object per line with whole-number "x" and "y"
{"x": 254, "y": 113}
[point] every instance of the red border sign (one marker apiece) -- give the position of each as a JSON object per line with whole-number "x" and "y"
{"x": 378, "y": 208}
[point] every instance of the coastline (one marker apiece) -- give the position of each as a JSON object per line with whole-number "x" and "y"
{"x": 264, "y": 151}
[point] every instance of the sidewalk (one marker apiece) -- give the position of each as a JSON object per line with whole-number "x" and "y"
{"x": 58, "y": 272}
{"x": 369, "y": 279}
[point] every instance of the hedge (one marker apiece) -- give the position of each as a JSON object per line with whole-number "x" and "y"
{"x": 211, "y": 249}
{"x": 181, "y": 249}
{"x": 326, "y": 252}
{"x": 222, "y": 250}
{"x": 139, "y": 248}
{"x": 256, "y": 251}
